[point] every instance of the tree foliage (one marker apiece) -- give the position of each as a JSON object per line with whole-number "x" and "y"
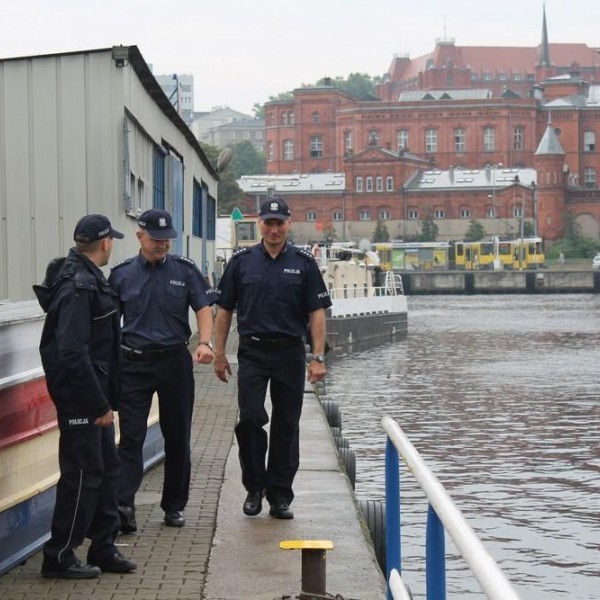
{"x": 429, "y": 230}
{"x": 574, "y": 244}
{"x": 381, "y": 233}
{"x": 246, "y": 161}
{"x": 359, "y": 85}
{"x": 475, "y": 231}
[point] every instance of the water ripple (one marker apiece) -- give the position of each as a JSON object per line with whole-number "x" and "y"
{"x": 500, "y": 396}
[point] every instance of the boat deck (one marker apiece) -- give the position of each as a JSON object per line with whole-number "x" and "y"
{"x": 221, "y": 554}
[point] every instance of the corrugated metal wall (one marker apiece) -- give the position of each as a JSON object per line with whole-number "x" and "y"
{"x": 62, "y": 149}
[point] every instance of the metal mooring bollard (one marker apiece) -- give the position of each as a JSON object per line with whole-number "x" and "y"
{"x": 314, "y": 571}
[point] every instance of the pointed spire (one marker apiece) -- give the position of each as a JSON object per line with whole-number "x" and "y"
{"x": 545, "y": 49}
{"x": 550, "y": 143}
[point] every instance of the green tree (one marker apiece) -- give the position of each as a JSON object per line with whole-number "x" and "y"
{"x": 574, "y": 244}
{"x": 246, "y": 161}
{"x": 429, "y": 230}
{"x": 359, "y": 85}
{"x": 381, "y": 233}
{"x": 475, "y": 231}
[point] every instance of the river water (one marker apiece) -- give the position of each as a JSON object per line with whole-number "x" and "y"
{"x": 501, "y": 397}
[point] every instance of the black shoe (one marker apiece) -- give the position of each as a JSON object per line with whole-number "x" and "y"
{"x": 253, "y": 503}
{"x": 281, "y": 510}
{"x": 76, "y": 570}
{"x": 174, "y": 518}
{"x": 113, "y": 563}
{"x": 127, "y": 516}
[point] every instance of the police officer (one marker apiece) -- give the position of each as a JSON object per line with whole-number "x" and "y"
{"x": 80, "y": 354}
{"x": 278, "y": 290}
{"x": 156, "y": 290}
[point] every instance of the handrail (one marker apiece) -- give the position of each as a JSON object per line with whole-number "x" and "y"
{"x": 442, "y": 510}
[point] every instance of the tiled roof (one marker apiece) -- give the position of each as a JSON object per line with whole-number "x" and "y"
{"x": 418, "y": 95}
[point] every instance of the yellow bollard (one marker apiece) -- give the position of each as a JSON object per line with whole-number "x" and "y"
{"x": 314, "y": 572}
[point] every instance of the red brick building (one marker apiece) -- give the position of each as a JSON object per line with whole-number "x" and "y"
{"x": 455, "y": 110}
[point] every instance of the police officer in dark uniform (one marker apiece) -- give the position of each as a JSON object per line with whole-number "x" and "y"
{"x": 278, "y": 290}
{"x": 80, "y": 355}
{"x": 156, "y": 290}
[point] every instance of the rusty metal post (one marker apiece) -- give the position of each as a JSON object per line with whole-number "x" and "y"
{"x": 314, "y": 571}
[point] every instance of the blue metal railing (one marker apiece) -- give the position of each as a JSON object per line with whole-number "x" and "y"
{"x": 442, "y": 515}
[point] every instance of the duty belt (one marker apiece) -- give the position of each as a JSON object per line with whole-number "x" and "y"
{"x": 152, "y": 353}
{"x": 258, "y": 342}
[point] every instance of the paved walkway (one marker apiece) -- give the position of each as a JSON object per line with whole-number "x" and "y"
{"x": 220, "y": 554}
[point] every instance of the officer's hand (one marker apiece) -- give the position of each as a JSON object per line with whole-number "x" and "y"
{"x": 203, "y": 355}
{"x": 316, "y": 371}
{"x": 222, "y": 367}
{"x": 106, "y": 420}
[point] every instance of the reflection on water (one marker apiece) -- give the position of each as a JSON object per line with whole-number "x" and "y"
{"x": 500, "y": 395}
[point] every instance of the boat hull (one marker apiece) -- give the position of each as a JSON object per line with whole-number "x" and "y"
{"x": 29, "y": 437}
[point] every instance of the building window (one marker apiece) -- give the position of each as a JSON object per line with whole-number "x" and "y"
{"x": 315, "y": 117}
{"x": 232, "y": 135}
{"x": 259, "y": 135}
{"x": 316, "y": 146}
{"x": 369, "y": 182}
{"x": 489, "y": 139}
{"x": 270, "y": 151}
{"x": 271, "y": 119}
{"x": 589, "y": 141}
{"x": 211, "y": 219}
{"x": 502, "y": 76}
{"x": 518, "y": 136}
{"x": 364, "y": 214}
{"x": 490, "y": 212}
{"x": 518, "y": 211}
{"x": 284, "y": 118}
{"x": 336, "y": 215}
{"x": 389, "y": 184}
{"x": 465, "y": 213}
{"x": 487, "y": 77}
{"x": 292, "y": 118}
{"x": 589, "y": 177}
{"x": 348, "y": 143}
{"x": 288, "y": 150}
{"x": 379, "y": 183}
{"x": 373, "y": 138}
{"x": 439, "y": 213}
{"x": 459, "y": 140}
{"x": 359, "y": 184}
{"x": 413, "y": 214}
{"x": 311, "y": 215}
{"x": 196, "y": 209}
{"x": 516, "y": 76}
{"x": 430, "y": 141}
{"x": 385, "y": 214}
{"x": 402, "y": 139}
{"x": 246, "y": 135}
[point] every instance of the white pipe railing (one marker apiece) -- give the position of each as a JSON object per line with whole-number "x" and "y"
{"x": 484, "y": 568}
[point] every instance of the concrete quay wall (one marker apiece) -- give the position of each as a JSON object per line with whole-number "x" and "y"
{"x": 494, "y": 282}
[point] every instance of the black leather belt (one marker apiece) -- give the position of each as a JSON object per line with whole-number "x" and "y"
{"x": 150, "y": 354}
{"x": 258, "y": 342}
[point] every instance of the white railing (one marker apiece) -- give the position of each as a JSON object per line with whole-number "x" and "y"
{"x": 444, "y": 512}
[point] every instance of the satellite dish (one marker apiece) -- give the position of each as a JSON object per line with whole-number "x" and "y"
{"x": 364, "y": 245}
{"x": 224, "y": 159}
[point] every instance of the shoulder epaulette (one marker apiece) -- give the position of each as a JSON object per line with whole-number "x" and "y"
{"x": 305, "y": 253}
{"x": 241, "y": 251}
{"x": 184, "y": 259}
{"x": 123, "y": 262}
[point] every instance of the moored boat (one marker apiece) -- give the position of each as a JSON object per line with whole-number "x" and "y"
{"x": 369, "y": 306}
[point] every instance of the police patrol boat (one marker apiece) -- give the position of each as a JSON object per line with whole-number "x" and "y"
{"x": 369, "y": 306}
{"x": 29, "y": 436}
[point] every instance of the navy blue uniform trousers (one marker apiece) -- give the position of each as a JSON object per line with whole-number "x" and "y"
{"x": 172, "y": 378}
{"x": 284, "y": 369}
{"x": 85, "y": 494}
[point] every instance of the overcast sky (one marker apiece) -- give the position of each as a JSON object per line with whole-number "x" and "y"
{"x": 242, "y": 51}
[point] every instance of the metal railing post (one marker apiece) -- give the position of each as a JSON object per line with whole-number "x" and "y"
{"x": 435, "y": 557}
{"x": 392, "y": 512}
